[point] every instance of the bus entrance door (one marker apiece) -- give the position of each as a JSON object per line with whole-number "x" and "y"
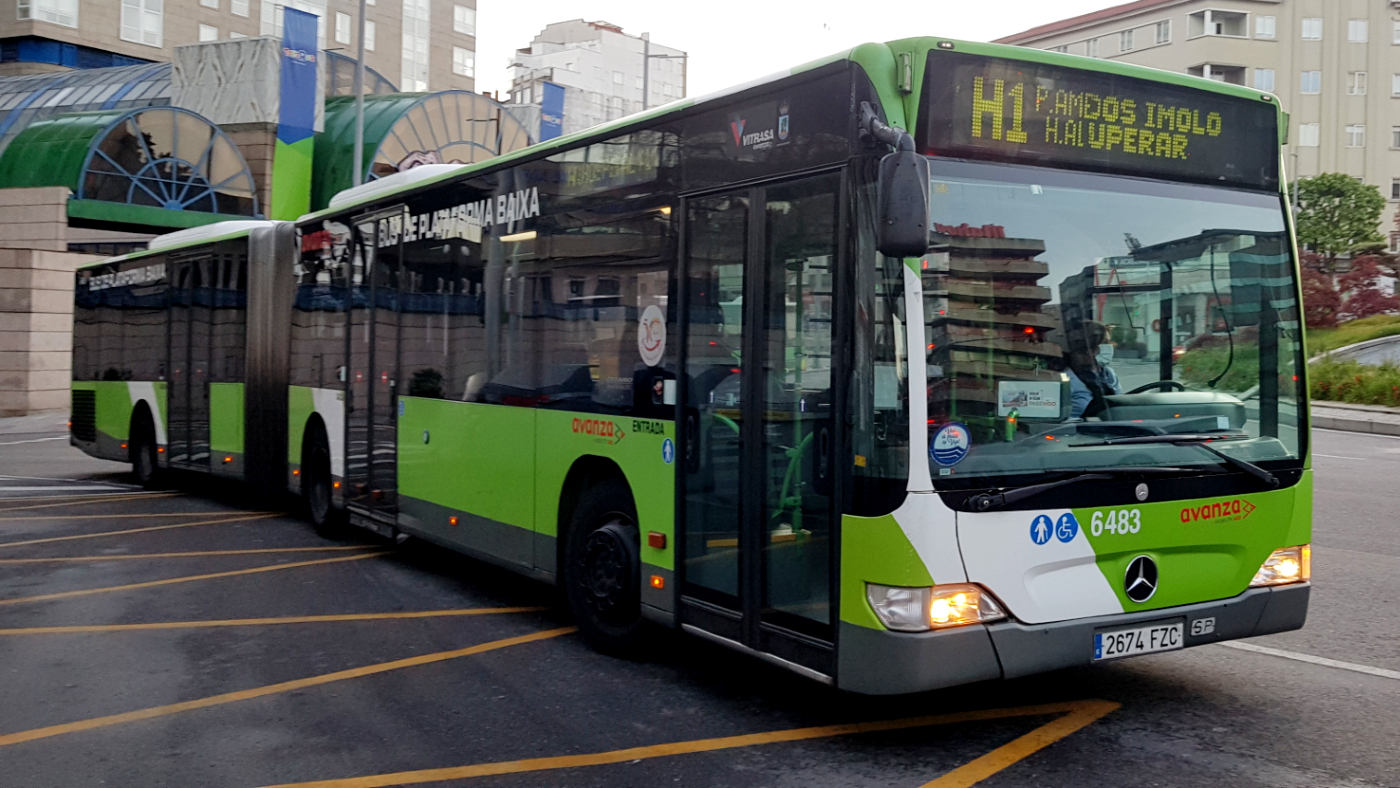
{"x": 758, "y": 436}
{"x": 372, "y": 381}
{"x": 188, "y": 393}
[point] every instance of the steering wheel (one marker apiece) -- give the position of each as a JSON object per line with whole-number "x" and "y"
{"x": 1165, "y": 385}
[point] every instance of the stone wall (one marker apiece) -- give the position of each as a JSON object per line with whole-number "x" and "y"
{"x": 36, "y": 329}
{"x": 34, "y": 218}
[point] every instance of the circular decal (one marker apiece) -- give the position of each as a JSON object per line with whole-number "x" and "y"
{"x": 651, "y": 336}
{"x": 1066, "y": 528}
{"x": 1041, "y": 529}
{"x": 668, "y": 451}
{"x": 950, "y": 444}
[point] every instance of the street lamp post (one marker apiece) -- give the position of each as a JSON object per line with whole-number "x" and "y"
{"x": 357, "y": 169}
{"x": 647, "y": 57}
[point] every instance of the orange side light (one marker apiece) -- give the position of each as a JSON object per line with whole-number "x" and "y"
{"x": 657, "y": 581}
{"x": 452, "y": 520}
{"x": 296, "y": 472}
{"x": 161, "y": 450}
{"x": 228, "y": 459}
{"x": 336, "y": 485}
{"x": 123, "y": 445}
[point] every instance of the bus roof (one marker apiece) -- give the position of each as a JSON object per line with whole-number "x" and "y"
{"x": 192, "y": 236}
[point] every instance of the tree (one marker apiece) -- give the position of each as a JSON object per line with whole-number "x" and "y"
{"x": 1364, "y": 295}
{"x": 1337, "y": 214}
{"x": 1321, "y": 301}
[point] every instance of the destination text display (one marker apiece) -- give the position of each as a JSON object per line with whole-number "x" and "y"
{"x": 991, "y": 108}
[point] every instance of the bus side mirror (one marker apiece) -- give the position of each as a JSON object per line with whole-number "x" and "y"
{"x": 904, "y": 205}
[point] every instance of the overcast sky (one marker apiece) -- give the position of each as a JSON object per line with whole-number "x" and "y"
{"x": 733, "y": 41}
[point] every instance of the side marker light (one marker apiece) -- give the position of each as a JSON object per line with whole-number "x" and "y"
{"x": 657, "y": 581}
{"x": 336, "y": 485}
{"x": 656, "y": 539}
{"x": 452, "y": 520}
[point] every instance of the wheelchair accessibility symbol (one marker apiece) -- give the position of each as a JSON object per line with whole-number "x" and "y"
{"x": 1066, "y": 528}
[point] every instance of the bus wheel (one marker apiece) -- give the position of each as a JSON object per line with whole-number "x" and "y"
{"x": 602, "y": 572}
{"x": 143, "y": 451}
{"x": 316, "y": 489}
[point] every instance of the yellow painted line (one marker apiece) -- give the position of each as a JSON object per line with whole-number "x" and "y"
{"x": 78, "y": 500}
{"x": 258, "y": 622}
{"x": 191, "y": 554}
{"x": 272, "y": 689}
{"x": 1019, "y": 749}
{"x": 115, "y": 516}
{"x": 187, "y": 579}
{"x": 219, "y": 521}
{"x": 700, "y": 745}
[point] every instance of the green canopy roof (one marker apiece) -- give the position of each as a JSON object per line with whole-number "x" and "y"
{"x": 403, "y": 130}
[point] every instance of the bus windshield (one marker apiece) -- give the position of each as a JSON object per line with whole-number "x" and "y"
{"x": 1065, "y": 310}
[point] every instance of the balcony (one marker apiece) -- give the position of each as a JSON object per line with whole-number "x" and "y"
{"x": 1211, "y": 22}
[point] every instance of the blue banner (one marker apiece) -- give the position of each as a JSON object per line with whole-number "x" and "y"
{"x": 296, "y": 118}
{"x": 551, "y": 111}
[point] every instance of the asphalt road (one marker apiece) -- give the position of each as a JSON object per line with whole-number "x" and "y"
{"x": 490, "y": 688}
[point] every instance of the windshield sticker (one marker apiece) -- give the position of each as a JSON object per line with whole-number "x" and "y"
{"x": 651, "y": 336}
{"x": 1041, "y": 529}
{"x": 1029, "y": 399}
{"x": 950, "y": 445}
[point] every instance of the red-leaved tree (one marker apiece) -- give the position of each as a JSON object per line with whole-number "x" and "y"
{"x": 1321, "y": 301}
{"x": 1362, "y": 289}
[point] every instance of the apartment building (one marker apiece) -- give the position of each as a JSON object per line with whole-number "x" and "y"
{"x": 600, "y": 69}
{"x": 1334, "y": 64}
{"x": 419, "y": 45}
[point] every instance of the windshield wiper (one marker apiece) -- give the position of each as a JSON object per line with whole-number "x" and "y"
{"x": 1201, "y": 441}
{"x": 987, "y": 501}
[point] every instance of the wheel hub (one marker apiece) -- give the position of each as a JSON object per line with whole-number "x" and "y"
{"x": 607, "y": 569}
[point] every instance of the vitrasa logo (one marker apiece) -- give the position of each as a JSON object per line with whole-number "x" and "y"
{"x": 299, "y": 55}
{"x": 762, "y": 127}
{"x": 1237, "y": 509}
{"x": 606, "y": 430}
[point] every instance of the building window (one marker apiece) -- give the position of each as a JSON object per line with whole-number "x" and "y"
{"x": 639, "y": 84}
{"x": 1395, "y": 85}
{"x": 209, "y": 3}
{"x": 369, "y": 35}
{"x": 1357, "y": 30}
{"x": 1308, "y": 135}
{"x": 617, "y": 77}
{"x": 464, "y": 19}
{"x": 1312, "y": 29}
{"x": 59, "y": 12}
{"x": 1264, "y": 79}
{"x": 143, "y": 21}
{"x": 1164, "y": 31}
{"x": 463, "y": 62}
{"x": 1356, "y": 83}
{"x": 1061, "y": 49}
{"x": 1125, "y": 41}
{"x": 1312, "y": 82}
{"x": 1091, "y": 47}
{"x": 415, "y": 46}
{"x": 1395, "y": 33}
{"x": 236, "y": 34}
{"x": 1265, "y": 26}
{"x": 342, "y": 28}
{"x": 666, "y": 90}
{"x": 239, "y": 7}
{"x": 208, "y": 33}
{"x": 1395, "y": 136}
{"x": 1356, "y": 136}
{"x": 1218, "y": 23}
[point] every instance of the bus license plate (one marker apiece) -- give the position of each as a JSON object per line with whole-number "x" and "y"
{"x": 1141, "y": 640}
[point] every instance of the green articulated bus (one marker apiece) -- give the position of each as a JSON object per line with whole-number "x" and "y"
{"x": 927, "y": 363}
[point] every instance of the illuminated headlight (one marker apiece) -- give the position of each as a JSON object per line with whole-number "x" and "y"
{"x": 940, "y": 607}
{"x": 1286, "y": 565}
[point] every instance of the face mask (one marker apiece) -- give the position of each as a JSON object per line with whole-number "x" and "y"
{"x": 1105, "y": 354}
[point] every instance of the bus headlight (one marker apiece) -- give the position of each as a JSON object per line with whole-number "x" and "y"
{"x": 921, "y": 609}
{"x": 1286, "y": 565}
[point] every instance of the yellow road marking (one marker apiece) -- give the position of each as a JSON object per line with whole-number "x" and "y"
{"x": 219, "y": 521}
{"x": 187, "y": 579}
{"x": 255, "y": 622}
{"x": 191, "y": 554}
{"x": 110, "y": 516}
{"x": 272, "y": 689}
{"x": 78, "y": 500}
{"x": 1072, "y": 709}
{"x": 1024, "y": 747}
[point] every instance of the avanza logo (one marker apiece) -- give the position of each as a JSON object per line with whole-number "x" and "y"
{"x": 606, "y": 430}
{"x": 1237, "y": 509}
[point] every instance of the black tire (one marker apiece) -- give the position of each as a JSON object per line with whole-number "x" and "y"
{"x": 142, "y": 450}
{"x": 602, "y": 570}
{"x": 316, "y": 487}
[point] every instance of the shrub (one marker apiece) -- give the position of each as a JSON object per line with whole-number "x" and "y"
{"x": 1352, "y": 381}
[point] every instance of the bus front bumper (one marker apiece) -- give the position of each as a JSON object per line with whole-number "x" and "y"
{"x": 877, "y": 662}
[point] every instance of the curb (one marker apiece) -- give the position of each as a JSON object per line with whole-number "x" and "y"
{"x": 1355, "y": 425}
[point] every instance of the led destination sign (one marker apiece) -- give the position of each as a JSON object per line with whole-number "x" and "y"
{"x": 990, "y": 108}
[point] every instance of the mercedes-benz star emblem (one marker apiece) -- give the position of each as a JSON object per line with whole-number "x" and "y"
{"x": 1140, "y": 581}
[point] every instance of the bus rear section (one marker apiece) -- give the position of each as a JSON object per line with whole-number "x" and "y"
{"x": 1113, "y": 376}
{"x": 175, "y": 366}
